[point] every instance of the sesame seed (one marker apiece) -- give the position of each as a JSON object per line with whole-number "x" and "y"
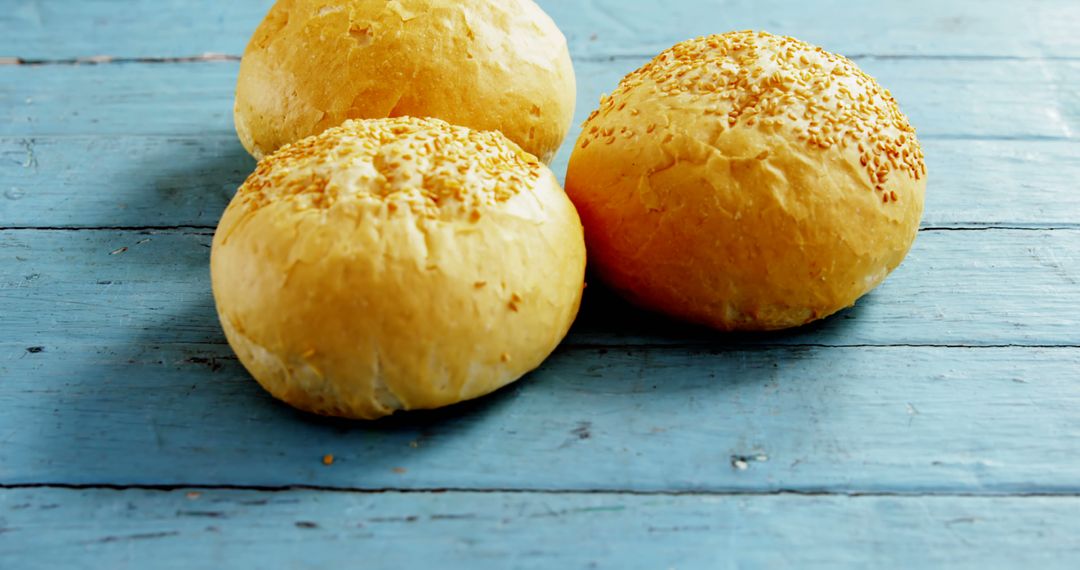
{"x": 458, "y": 167}
{"x": 769, "y": 82}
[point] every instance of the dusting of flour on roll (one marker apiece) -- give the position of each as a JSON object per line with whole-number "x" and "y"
{"x": 396, "y": 264}
{"x": 485, "y": 64}
{"x": 747, "y": 181}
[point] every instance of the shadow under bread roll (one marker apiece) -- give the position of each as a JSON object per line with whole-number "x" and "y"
{"x": 396, "y": 264}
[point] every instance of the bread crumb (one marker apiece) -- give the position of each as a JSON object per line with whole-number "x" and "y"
{"x": 399, "y": 470}
{"x": 328, "y": 459}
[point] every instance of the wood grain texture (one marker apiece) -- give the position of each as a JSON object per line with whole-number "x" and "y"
{"x": 115, "y": 162}
{"x": 978, "y": 288}
{"x": 115, "y": 181}
{"x": 141, "y": 181}
{"x": 134, "y": 410}
{"x": 922, "y": 28}
{"x": 308, "y": 529}
{"x": 914, "y": 430}
{"x": 945, "y": 98}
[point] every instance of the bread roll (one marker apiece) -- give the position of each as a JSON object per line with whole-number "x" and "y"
{"x": 747, "y": 181}
{"x": 485, "y": 64}
{"x": 396, "y": 264}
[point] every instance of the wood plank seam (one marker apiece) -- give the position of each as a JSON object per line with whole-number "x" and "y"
{"x": 202, "y": 230}
{"x": 196, "y": 230}
{"x": 857, "y": 57}
{"x": 526, "y": 491}
{"x": 107, "y": 59}
{"x": 748, "y": 344}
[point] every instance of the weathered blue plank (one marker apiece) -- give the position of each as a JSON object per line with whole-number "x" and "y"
{"x": 134, "y": 410}
{"x": 952, "y": 98}
{"x": 113, "y": 369}
{"x": 184, "y": 529}
{"x": 156, "y": 28}
{"x": 989, "y": 287}
{"x": 955, "y": 288}
{"x": 119, "y": 181}
{"x": 187, "y": 174}
{"x": 142, "y": 181}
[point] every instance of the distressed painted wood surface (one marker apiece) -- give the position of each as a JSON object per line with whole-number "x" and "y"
{"x": 40, "y": 29}
{"x": 915, "y": 429}
{"x": 972, "y": 288}
{"x": 204, "y": 528}
{"x": 945, "y": 98}
{"x": 114, "y": 163}
{"x": 808, "y": 419}
{"x": 94, "y": 181}
{"x": 990, "y": 142}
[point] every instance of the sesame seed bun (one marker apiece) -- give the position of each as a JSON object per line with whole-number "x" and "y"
{"x": 484, "y": 64}
{"x": 747, "y": 181}
{"x": 396, "y": 264}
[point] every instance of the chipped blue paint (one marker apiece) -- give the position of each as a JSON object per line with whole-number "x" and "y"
{"x": 206, "y": 528}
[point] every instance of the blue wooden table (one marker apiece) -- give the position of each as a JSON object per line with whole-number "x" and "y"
{"x": 937, "y": 423}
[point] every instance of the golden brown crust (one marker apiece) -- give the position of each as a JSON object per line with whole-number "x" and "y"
{"x": 484, "y": 64}
{"x": 747, "y": 181}
{"x": 396, "y": 264}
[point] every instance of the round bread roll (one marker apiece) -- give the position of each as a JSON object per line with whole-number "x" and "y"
{"x": 747, "y": 181}
{"x": 396, "y": 264}
{"x": 485, "y": 64}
